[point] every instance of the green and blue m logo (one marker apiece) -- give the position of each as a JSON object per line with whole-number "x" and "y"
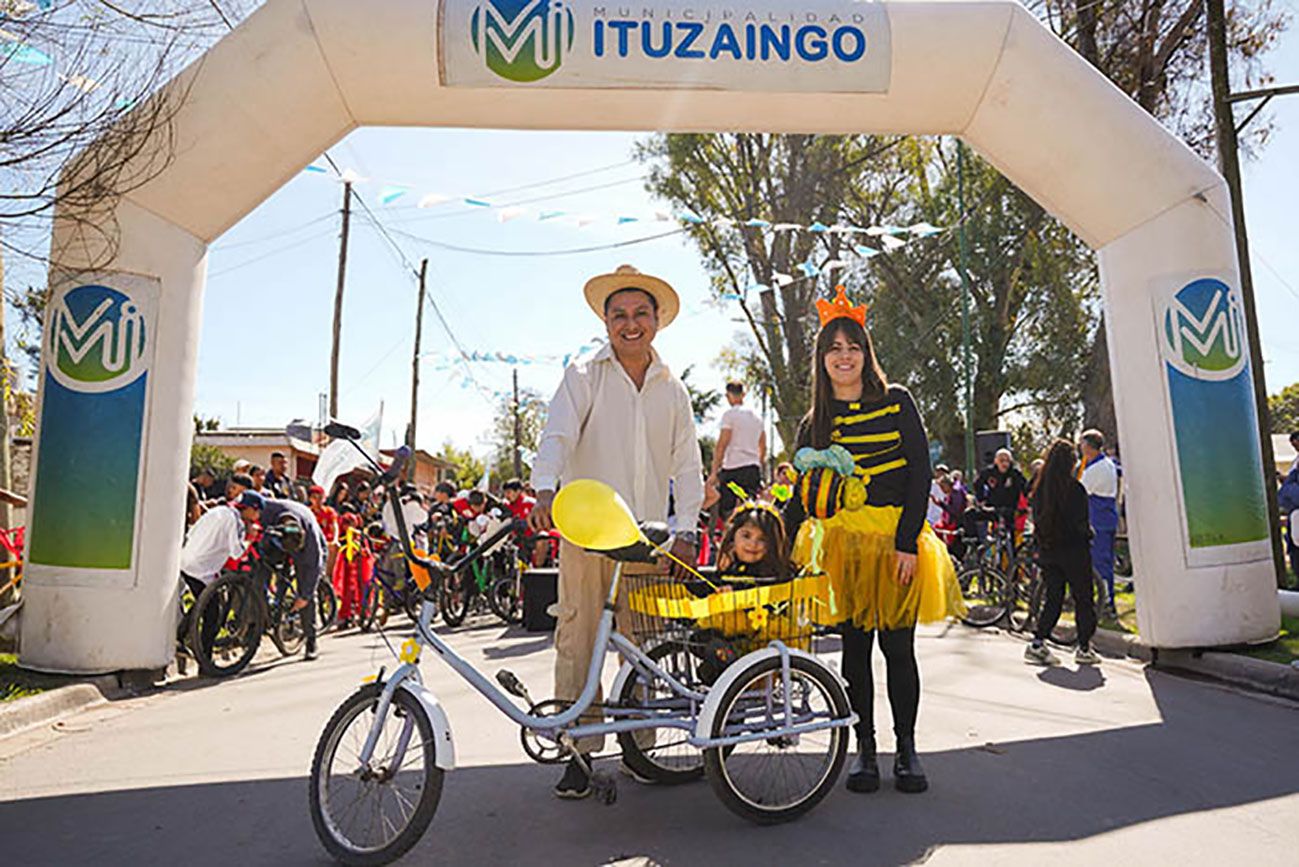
{"x": 522, "y": 40}
{"x": 1204, "y": 331}
{"x": 97, "y": 339}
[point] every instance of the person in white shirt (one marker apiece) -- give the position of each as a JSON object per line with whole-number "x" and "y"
{"x": 741, "y": 450}
{"x": 620, "y": 417}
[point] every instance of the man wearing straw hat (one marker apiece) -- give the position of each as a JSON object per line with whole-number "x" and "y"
{"x": 620, "y": 417}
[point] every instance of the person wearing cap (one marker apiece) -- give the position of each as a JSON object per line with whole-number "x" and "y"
{"x": 623, "y": 418}
{"x": 307, "y": 563}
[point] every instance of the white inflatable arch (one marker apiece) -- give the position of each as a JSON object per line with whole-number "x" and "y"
{"x": 117, "y": 381}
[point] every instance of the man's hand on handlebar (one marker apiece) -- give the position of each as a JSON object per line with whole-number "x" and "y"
{"x": 539, "y": 519}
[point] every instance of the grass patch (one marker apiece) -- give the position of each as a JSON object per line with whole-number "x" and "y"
{"x": 1285, "y": 649}
{"x": 17, "y": 683}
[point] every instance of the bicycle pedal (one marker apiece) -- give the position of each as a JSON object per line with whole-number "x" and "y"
{"x": 511, "y": 684}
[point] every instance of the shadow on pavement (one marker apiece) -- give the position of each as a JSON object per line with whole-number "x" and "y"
{"x": 1206, "y": 755}
{"x": 1083, "y": 679}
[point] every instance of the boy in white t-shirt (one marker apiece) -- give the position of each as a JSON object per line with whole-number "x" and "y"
{"x": 741, "y": 450}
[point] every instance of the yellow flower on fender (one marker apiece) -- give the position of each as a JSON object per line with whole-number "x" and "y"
{"x": 758, "y": 618}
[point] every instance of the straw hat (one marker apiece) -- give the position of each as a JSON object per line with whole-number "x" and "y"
{"x": 598, "y": 289}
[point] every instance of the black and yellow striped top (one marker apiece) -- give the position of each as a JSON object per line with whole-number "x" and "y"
{"x": 888, "y": 443}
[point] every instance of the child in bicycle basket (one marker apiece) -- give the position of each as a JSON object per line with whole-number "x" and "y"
{"x": 751, "y": 553}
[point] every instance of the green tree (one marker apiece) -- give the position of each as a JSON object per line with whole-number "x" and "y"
{"x": 780, "y": 179}
{"x": 702, "y": 400}
{"x": 1284, "y": 409}
{"x": 204, "y": 456}
{"x": 469, "y": 469}
{"x": 532, "y": 418}
{"x": 1154, "y": 51}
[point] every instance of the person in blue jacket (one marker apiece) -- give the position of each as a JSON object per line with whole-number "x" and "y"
{"x": 1100, "y": 477}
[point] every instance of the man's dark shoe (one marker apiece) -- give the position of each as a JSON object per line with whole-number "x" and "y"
{"x": 908, "y": 775}
{"x": 576, "y": 782}
{"x": 311, "y": 653}
{"x": 864, "y": 775}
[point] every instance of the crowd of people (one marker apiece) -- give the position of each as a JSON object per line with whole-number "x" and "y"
{"x": 859, "y": 502}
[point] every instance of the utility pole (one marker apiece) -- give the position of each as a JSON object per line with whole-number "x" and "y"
{"x": 967, "y": 365}
{"x": 338, "y": 301}
{"x": 414, "y": 361}
{"x": 1229, "y": 165}
{"x": 518, "y": 457}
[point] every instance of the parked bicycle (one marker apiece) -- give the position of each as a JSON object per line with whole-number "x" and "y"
{"x": 494, "y": 581}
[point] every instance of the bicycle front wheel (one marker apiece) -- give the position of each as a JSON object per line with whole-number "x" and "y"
{"x": 374, "y": 812}
{"x": 781, "y": 776}
{"x": 226, "y": 626}
{"x": 326, "y": 606}
{"x": 506, "y": 598}
{"x": 455, "y": 598}
{"x": 987, "y": 595}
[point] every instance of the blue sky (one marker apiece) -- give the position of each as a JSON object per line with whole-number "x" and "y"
{"x": 272, "y": 276}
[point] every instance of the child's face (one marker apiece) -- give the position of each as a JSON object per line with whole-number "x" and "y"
{"x": 750, "y": 544}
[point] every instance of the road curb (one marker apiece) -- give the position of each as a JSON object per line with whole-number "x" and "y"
{"x": 1259, "y": 675}
{"x": 22, "y": 714}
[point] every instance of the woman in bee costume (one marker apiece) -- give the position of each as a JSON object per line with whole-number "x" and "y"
{"x": 859, "y": 511}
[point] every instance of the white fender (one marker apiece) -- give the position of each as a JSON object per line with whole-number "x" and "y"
{"x": 445, "y": 753}
{"x": 625, "y": 671}
{"x": 704, "y": 727}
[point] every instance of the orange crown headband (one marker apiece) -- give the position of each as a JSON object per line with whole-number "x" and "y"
{"x": 840, "y": 308}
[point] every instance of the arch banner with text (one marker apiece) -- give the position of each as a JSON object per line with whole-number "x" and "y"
{"x": 119, "y": 362}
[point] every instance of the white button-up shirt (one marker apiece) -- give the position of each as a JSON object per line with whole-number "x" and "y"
{"x": 600, "y": 426}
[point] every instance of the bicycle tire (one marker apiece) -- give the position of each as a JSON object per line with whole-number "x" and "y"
{"x": 987, "y": 596}
{"x": 374, "y": 607}
{"x": 505, "y": 597}
{"x": 367, "y": 697}
{"x": 456, "y": 594}
{"x": 638, "y": 758}
{"x": 326, "y": 606}
{"x": 716, "y": 759}
{"x": 233, "y": 601}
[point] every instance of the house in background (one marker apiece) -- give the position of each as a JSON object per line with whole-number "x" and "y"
{"x": 257, "y": 445}
{"x": 429, "y": 469}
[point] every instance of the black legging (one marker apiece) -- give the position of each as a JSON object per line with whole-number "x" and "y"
{"x": 899, "y": 646}
{"x": 1074, "y": 569}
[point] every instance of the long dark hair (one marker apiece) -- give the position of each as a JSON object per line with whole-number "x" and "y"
{"x": 1051, "y": 487}
{"x": 819, "y": 421}
{"x": 774, "y": 565}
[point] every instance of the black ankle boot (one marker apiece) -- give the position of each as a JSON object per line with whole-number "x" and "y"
{"x": 864, "y": 775}
{"x": 908, "y": 775}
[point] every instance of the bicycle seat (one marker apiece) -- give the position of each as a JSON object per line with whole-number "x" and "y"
{"x": 657, "y": 533}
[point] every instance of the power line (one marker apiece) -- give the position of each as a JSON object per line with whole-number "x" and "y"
{"x": 479, "y": 251}
{"x": 563, "y": 194}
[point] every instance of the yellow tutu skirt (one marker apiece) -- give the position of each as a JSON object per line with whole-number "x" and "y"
{"x": 857, "y": 550}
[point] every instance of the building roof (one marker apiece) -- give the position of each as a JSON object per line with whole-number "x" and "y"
{"x": 423, "y": 456}
{"x": 266, "y": 437}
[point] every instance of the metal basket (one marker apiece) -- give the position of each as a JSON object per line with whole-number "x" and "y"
{"x": 722, "y": 622}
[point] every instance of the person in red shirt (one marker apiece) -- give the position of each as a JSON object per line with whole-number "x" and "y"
{"x": 327, "y": 518}
{"x": 541, "y": 548}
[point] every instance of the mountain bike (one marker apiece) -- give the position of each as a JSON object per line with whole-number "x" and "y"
{"x": 247, "y": 603}
{"x": 770, "y": 731}
{"x": 495, "y": 581}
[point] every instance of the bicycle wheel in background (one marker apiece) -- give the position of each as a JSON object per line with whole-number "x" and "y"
{"x": 288, "y": 632}
{"x": 326, "y": 605}
{"x": 1021, "y": 615}
{"x": 374, "y": 814}
{"x": 228, "y": 611}
{"x": 987, "y": 595}
{"x": 374, "y": 607}
{"x": 506, "y": 593}
{"x": 455, "y": 597}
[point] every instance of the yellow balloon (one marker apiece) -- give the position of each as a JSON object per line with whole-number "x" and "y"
{"x": 592, "y": 515}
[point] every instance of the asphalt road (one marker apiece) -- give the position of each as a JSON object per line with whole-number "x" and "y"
{"x": 1119, "y": 764}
